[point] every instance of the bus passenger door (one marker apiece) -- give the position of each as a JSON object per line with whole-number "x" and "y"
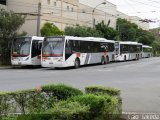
{"x": 36, "y": 52}
{"x": 68, "y": 50}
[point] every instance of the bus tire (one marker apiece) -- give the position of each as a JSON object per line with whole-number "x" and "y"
{"x": 103, "y": 60}
{"x": 125, "y": 58}
{"x": 138, "y": 57}
{"x": 77, "y": 63}
{"x": 107, "y": 60}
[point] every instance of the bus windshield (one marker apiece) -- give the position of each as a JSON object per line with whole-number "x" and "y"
{"x": 21, "y": 47}
{"x": 53, "y": 47}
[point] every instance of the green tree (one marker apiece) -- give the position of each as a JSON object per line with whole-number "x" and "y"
{"x": 130, "y": 32}
{"x": 156, "y": 43}
{"x": 156, "y": 47}
{"x": 82, "y": 31}
{"x": 108, "y": 32}
{"x": 9, "y": 24}
{"x": 127, "y": 31}
{"x": 50, "y": 29}
{"x": 147, "y": 39}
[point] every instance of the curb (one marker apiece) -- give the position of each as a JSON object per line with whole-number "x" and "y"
{"x": 5, "y": 67}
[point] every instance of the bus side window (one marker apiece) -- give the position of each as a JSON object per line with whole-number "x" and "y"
{"x": 85, "y": 46}
{"x": 110, "y": 47}
{"x": 104, "y": 47}
{"x": 75, "y": 46}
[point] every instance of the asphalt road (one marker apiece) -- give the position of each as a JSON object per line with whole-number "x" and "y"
{"x": 139, "y": 81}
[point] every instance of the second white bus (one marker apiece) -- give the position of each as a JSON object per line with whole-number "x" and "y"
{"x": 76, "y": 51}
{"x": 127, "y": 51}
{"x": 146, "y": 51}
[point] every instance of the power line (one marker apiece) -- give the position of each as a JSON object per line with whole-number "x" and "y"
{"x": 143, "y": 12}
{"x": 145, "y": 4}
{"x": 154, "y": 1}
{"x": 130, "y": 5}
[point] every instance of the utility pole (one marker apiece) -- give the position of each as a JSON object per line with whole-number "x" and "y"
{"x": 93, "y": 19}
{"x": 39, "y": 19}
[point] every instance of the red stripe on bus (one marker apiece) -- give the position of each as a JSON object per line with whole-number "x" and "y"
{"x": 52, "y": 55}
{"x": 19, "y": 55}
{"x": 39, "y": 57}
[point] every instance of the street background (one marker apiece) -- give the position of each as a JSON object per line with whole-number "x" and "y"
{"x": 139, "y": 81}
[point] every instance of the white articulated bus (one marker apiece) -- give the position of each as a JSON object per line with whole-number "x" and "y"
{"x": 146, "y": 51}
{"x": 128, "y": 51}
{"x": 26, "y": 51}
{"x": 75, "y": 51}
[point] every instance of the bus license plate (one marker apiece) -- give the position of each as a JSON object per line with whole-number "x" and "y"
{"x": 19, "y": 63}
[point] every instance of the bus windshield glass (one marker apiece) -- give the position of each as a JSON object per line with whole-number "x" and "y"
{"x": 53, "y": 47}
{"x": 21, "y": 47}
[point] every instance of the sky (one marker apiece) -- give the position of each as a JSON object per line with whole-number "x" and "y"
{"x": 145, "y": 9}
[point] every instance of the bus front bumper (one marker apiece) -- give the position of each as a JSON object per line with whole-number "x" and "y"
{"x": 53, "y": 64}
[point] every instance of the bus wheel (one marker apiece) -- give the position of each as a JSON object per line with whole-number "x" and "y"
{"x": 138, "y": 57}
{"x": 77, "y": 63}
{"x": 103, "y": 61}
{"x": 107, "y": 60}
{"x": 125, "y": 58}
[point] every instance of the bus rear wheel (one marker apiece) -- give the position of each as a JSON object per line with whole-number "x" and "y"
{"x": 138, "y": 57}
{"x": 77, "y": 63}
{"x": 103, "y": 61}
{"x": 125, "y": 58}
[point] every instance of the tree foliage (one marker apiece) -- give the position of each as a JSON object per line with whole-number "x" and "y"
{"x": 82, "y": 31}
{"x": 127, "y": 30}
{"x": 130, "y": 32}
{"x": 9, "y": 24}
{"x": 100, "y": 30}
{"x": 156, "y": 43}
{"x": 108, "y": 32}
{"x": 50, "y": 29}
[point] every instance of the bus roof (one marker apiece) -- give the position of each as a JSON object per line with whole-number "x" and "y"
{"x": 96, "y": 39}
{"x": 33, "y": 37}
{"x": 146, "y": 46}
{"x": 130, "y": 43}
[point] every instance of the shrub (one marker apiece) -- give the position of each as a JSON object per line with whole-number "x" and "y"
{"x": 48, "y": 103}
{"x": 4, "y": 103}
{"x": 96, "y": 103}
{"x": 35, "y": 117}
{"x": 98, "y": 90}
{"x": 61, "y": 111}
{"x": 69, "y": 111}
{"x": 62, "y": 92}
{"x": 20, "y": 99}
{"x": 102, "y": 90}
{"x": 102, "y": 107}
{"x": 35, "y": 101}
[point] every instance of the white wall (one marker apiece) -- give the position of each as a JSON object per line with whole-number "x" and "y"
{"x": 20, "y": 6}
{"x": 109, "y": 8}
